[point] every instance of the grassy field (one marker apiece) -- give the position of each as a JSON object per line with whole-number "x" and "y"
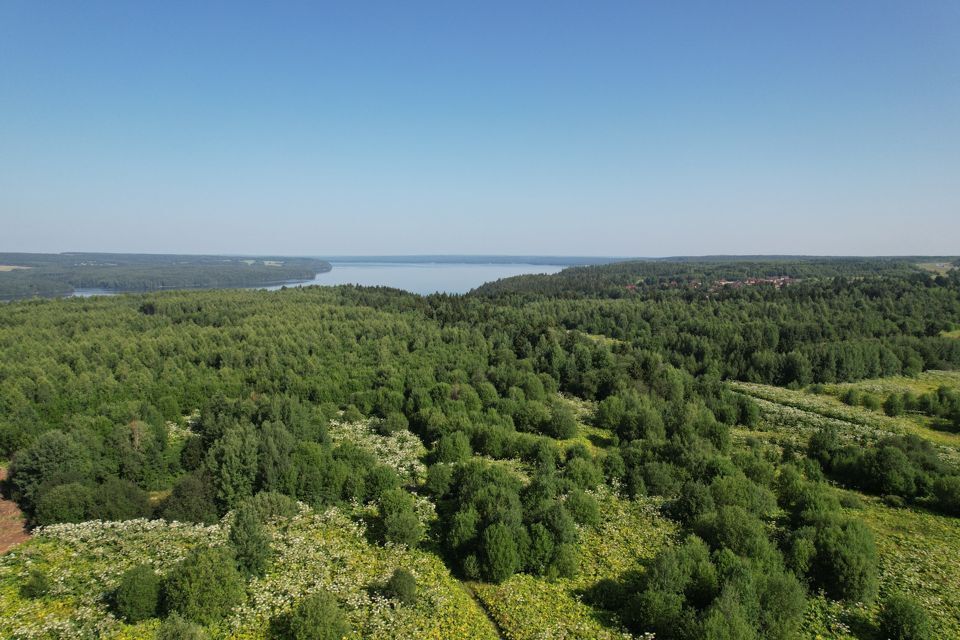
{"x": 919, "y": 553}
{"x": 939, "y": 268}
{"x": 795, "y": 414}
{"x": 951, "y": 334}
{"x": 922, "y": 383}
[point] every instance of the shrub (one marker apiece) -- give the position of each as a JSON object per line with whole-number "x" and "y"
{"x": 902, "y": 618}
{"x": 852, "y": 397}
{"x": 317, "y": 617}
{"x": 250, "y": 541}
{"x": 872, "y": 402}
{"x": 190, "y": 501}
{"x": 352, "y": 414}
{"x": 402, "y": 586}
{"x": 36, "y": 585}
{"x": 946, "y": 491}
{"x": 176, "y": 627}
{"x": 850, "y": 500}
{"x": 394, "y": 422}
{"x": 893, "y": 406}
{"x": 118, "y": 499}
{"x": 583, "y": 508}
{"x": 381, "y": 479}
{"x": 400, "y": 522}
{"x": 583, "y": 473}
{"x": 269, "y": 504}
{"x": 138, "y": 595}
{"x": 204, "y": 586}
{"x": 562, "y": 423}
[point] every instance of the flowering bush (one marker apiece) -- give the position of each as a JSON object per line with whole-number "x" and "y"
{"x": 401, "y": 450}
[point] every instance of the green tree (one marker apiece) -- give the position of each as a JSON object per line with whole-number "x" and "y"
{"x": 453, "y": 447}
{"x": 232, "y": 464}
{"x": 54, "y": 458}
{"x": 118, "y": 499}
{"x": 893, "y": 405}
{"x": 71, "y": 502}
{"x": 275, "y": 448}
{"x": 250, "y": 541}
{"x": 846, "y": 564}
{"x": 501, "y": 558}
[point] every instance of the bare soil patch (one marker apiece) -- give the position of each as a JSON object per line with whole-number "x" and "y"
{"x": 12, "y": 529}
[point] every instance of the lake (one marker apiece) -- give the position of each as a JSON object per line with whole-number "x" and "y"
{"x": 422, "y": 277}
{"x": 417, "y": 277}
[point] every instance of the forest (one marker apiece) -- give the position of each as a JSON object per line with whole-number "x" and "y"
{"x": 676, "y": 448}
{"x": 27, "y": 275}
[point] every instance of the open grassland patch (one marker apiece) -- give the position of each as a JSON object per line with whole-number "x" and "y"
{"x": 313, "y": 551}
{"x": 11, "y": 267}
{"x": 919, "y": 553}
{"x": 800, "y": 412}
{"x": 921, "y": 383}
{"x": 939, "y": 268}
{"x": 534, "y": 608}
{"x": 593, "y": 438}
{"x": 951, "y": 334}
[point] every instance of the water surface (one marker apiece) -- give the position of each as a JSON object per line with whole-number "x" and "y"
{"x": 421, "y": 277}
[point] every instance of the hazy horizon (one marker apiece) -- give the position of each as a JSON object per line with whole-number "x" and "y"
{"x": 500, "y": 256}
{"x": 550, "y": 129}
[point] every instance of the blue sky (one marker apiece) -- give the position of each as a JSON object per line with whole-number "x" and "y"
{"x": 586, "y": 128}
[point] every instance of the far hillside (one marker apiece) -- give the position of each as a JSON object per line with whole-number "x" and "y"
{"x": 26, "y": 275}
{"x": 708, "y": 274}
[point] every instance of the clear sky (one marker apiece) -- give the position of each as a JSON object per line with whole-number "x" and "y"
{"x": 587, "y": 127}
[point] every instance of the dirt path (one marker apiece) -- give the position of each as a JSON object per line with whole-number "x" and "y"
{"x": 12, "y": 531}
{"x": 483, "y": 607}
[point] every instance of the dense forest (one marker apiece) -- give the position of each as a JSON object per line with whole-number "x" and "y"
{"x": 211, "y": 405}
{"x": 26, "y": 275}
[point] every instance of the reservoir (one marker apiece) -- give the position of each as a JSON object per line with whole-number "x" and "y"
{"x": 422, "y": 277}
{"x": 416, "y": 277}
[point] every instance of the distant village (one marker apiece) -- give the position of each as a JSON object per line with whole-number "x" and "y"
{"x": 777, "y": 282}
